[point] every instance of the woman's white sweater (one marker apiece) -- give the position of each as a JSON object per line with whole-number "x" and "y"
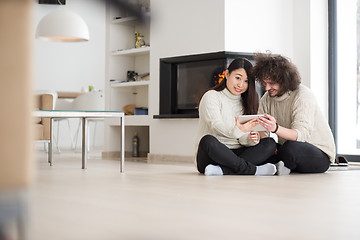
{"x": 299, "y": 110}
{"x": 217, "y": 112}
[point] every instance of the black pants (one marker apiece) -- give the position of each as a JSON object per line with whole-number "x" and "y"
{"x": 241, "y": 161}
{"x": 302, "y": 157}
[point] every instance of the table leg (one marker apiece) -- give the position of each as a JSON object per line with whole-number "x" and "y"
{"x": 50, "y": 145}
{"x": 122, "y": 147}
{"x": 84, "y": 143}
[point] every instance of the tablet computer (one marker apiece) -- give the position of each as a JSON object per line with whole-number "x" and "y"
{"x": 246, "y": 118}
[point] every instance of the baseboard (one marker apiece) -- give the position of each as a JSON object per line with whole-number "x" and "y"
{"x": 164, "y": 158}
{"x": 117, "y": 154}
{"x": 151, "y": 158}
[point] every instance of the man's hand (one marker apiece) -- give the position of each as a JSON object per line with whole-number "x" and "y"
{"x": 268, "y": 122}
{"x": 245, "y": 127}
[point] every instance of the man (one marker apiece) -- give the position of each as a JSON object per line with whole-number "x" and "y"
{"x": 305, "y": 141}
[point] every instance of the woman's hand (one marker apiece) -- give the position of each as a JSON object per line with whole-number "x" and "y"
{"x": 268, "y": 122}
{"x": 254, "y": 136}
{"x": 245, "y": 127}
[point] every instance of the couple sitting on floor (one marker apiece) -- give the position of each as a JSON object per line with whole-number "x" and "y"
{"x": 228, "y": 147}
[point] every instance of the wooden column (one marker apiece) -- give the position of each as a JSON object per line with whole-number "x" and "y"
{"x": 16, "y": 155}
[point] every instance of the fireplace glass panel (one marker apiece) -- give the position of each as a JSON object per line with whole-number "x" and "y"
{"x": 194, "y": 79}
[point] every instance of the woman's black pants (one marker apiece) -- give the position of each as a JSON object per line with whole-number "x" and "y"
{"x": 240, "y": 161}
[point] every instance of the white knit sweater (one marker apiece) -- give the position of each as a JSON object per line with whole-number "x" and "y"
{"x": 217, "y": 111}
{"x": 298, "y": 110}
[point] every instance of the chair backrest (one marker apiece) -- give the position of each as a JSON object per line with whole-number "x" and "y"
{"x": 63, "y": 104}
{"x": 48, "y": 92}
{"x": 89, "y": 101}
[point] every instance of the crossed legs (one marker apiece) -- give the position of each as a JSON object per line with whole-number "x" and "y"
{"x": 242, "y": 161}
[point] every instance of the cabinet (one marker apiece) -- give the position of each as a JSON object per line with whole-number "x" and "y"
{"x": 122, "y": 56}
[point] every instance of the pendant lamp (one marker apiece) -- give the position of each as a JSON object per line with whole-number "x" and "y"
{"x": 62, "y": 26}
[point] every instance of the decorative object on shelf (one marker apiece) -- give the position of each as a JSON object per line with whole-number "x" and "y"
{"x": 132, "y": 76}
{"x": 140, "y": 42}
{"x": 136, "y": 38}
{"x": 129, "y": 109}
{"x": 62, "y": 26}
{"x": 144, "y": 76}
{"x": 135, "y": 145}
{"x": 141, "y": 111}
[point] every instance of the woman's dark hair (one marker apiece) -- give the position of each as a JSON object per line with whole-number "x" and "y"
{"x": 278, "y": 69}
{"x": 250, "y": 100}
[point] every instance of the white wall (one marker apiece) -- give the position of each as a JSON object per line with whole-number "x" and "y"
{"x": 180, "y": 28}
{"x": 295, "y": 28}
{"x": 259, "y": 26}
{"x": 291, "y": 28}
{"x": 71, "y": 66}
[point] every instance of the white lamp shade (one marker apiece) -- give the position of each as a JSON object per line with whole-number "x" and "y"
{"x": 62, "y": 26}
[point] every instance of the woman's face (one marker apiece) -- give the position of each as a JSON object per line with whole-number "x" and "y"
{"x": 237, "y": 81}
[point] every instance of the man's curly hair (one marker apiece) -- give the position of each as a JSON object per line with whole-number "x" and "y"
{"x": 278, "y": 69}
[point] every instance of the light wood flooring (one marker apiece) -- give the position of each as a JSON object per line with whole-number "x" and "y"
{"x": 174, "y": 202}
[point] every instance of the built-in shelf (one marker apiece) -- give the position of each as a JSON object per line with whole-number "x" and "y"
{"x": 131, "y": 84}
{"x": 132, "y": 52}
{"x": 122, "y": 56}
{"x": 132, "y": 120}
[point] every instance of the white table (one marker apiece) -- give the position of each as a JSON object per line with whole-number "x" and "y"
{"x": 84, "y": 115}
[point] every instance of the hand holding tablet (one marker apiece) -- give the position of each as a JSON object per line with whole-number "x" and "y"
{"x": 252, "y": 120}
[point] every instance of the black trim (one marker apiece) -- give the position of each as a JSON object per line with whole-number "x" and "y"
{"x": 207, "y": 56}
{"x": 351, "y": 158}
{"x": 56, "y": 2}
{"x": 176, "y": 116}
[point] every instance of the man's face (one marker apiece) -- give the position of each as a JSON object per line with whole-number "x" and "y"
{"x": 271, "y": 87}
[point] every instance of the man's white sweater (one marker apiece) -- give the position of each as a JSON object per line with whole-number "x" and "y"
{"x": 299, "y": 110}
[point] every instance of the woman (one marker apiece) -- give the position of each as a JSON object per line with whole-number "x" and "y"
{"x": 226, "y": 146}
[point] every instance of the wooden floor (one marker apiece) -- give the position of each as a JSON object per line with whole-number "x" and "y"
{"x": 174, "y": 202}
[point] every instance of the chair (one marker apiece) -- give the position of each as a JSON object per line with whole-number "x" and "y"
{"x": 92, "y": 101}
{"x": 44, "y": 100}
{"x": 63, "y": 104}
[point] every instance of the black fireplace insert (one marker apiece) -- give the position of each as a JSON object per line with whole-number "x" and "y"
{"x": 184, "y": 79}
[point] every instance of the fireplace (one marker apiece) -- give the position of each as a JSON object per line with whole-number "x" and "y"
{"x": 184, "y": 79}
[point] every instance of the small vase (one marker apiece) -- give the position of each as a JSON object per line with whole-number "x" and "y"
{"x": 140, "y": 41}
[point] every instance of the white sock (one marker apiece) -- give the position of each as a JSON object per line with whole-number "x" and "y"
{"x": 265, "y": 170}
{"x": 281, "y": 169}
{"x": 212, "y": 170}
